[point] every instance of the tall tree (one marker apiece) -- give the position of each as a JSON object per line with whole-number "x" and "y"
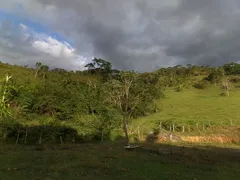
{"x": 100, "y": 67}
{"x": 126, "y": 93}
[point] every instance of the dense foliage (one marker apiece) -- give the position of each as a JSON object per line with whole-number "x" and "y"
{"x": 56, "y": 105}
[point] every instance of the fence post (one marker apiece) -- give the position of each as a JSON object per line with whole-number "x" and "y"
{"x": 231, "y": 122}
{"x": 139, "y": 135}
{"x": 197, "y": 125}
{"x": 189, "y": 128}
{"x": 173, "y": 127}
{"x": 170, "y": 127}
{"x": 160, "y": 125}
{"x": 203, "y": 126}
{"x": 183, "y": 129}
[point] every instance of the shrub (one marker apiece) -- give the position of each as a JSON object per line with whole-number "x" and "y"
{"x": 224, "y": 94}
{"x": 234, "y": 79}
{"x": 200, "y": 85}
{"x": 216, "y": 76}
{"x": 178, "y": 88}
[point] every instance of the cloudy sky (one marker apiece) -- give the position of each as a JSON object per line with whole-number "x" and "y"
{"x": 132, "y": 34}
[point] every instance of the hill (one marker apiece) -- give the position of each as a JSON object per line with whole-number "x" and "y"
{"x": 193, "y": 106}
{"x": 56, "y": 119}
{"x": 57, "y": 105}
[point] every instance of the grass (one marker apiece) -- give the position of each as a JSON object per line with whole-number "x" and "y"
{"x": 111, "y": 161}
{"x": 193, "y": 106}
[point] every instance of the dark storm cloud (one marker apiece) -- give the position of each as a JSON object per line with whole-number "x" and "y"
{"x": 145, "y": 35}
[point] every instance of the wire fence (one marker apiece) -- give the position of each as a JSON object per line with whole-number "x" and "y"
{"x": 186, "y": 127}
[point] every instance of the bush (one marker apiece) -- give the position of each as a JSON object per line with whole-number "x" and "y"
{"x": 178, "y": 88}
{"x": 234, "y": 79}
{"x": 200, "y": 85}
{"x": 215, "y": 76}
{"x": 223, "y": 94}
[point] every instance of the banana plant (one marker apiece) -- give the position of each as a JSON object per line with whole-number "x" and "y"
{"x": 5, "y": 110}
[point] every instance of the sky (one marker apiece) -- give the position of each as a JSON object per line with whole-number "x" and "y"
{"x": 132, "y": 34}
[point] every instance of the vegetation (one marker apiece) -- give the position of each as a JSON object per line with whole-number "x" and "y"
{"x": 43, "y": 107}
{"x": 193, "y": 107}
{"x": 95, "y": 104}
{"x": 84, "y": 105}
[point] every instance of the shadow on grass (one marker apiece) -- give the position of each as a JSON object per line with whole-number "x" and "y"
{"x": 193, "y": 153}
{"x": 16, "y": 133}
{"x": 69, "y": 138}
{"x": 110, "y": 160}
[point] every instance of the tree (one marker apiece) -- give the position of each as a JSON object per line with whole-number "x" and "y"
{"x": 100, "y": 67}
{"x": 232, "y": 68}
{"x": 38, "y": 66}
{"x": 44, "y": 69}
{"x": 216, "y": 75}
{"x": 99, "y": 63}
{"x": 41, "y": 68}
{"x": 126, "y": 93}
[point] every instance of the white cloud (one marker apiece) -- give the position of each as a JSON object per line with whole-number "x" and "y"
{"x": 54, "y": 47}
{"x": 34, "y": 46}
{"x": 59, "y": 49}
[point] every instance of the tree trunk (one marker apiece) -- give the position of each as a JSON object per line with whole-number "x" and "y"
{"x": 125, "y": 128}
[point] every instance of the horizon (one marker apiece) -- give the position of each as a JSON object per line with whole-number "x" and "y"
{"x": 86, "y": 69}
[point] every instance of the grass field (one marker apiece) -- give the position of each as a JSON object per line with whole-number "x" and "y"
{"x": 111, "y": 161}
{"x": 193, "y": 106}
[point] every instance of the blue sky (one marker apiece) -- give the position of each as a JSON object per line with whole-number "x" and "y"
{"x": 37, "y": 42}
{"x": 35, "y": 26}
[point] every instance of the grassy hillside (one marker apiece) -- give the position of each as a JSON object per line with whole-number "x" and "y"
{"x": 50, "y": 114}
{"x": 21, "y": 73}
{"x": 47, "y": 102}
{"x": 193, "y": 106}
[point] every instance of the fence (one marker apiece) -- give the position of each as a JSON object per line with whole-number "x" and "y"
{"x": 186, "y": 127}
